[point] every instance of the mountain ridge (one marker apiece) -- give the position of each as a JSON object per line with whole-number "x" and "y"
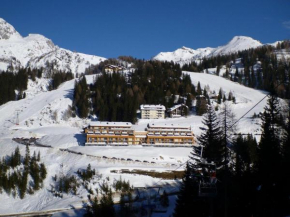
{"x": 185, "y": 55}
{"x": 37, "y": 51}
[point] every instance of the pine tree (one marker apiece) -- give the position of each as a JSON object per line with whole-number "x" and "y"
{"x": 107, "y": 204}
{"x": 198, "y": 91}
{"x": 27, "y": 156}
{"x": 189, "y": 101}
{"x": 93, "y": 209}
{"x": 38, "y": 156}
{"x": 269, "y": 160}
{"x": 228, "y": 127}
{"x": 201, "y": 105}
{"x": 210, "y": 138}
{"x": 224, "y": 98}
{"x": 269, "y": 147}
{"x": 285, "y": 165}
{"x": 220, "y": 96}
{"x": 186, "y": 195}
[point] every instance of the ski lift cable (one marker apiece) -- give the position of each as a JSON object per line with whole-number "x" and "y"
{"x": 229, "y": 126}
{"x": 255, "y": 105}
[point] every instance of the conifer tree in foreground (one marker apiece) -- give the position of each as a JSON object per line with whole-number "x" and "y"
{"x": 269, "y": 165}
{"x": 210, "y": 138}
{"x": 187, "y": 195}
{"x": 286, "y": 164}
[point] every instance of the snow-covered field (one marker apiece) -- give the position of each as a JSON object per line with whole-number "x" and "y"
{"x": 41, "y": 115}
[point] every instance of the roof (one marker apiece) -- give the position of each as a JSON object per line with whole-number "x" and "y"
{"x": 110, "y": 124}
{"x": 179, "y": 126}
{"x": 176, "y": 107}
{"x": 114, "y": 67}
{"x": 152, "y": 107}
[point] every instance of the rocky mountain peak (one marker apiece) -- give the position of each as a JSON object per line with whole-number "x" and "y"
{"x": 7, "y": 31}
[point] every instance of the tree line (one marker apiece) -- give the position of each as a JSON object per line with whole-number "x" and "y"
{"x": 9, "y": 82}
{"x": 14, "y": 84}
{"x": 115, "y": 97}
{"x": 266, "y": 76}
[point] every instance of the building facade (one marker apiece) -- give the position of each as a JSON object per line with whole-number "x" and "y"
{"x": 178, "y": 111}
{"x": 106, "y": 133}
{"x": 152, "y": 111}
{"x": 160, "y": 134}
{"x": 123, "y": 134}
{"x": 113, "y": 68}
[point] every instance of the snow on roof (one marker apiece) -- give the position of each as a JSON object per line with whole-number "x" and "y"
{"x": 183, "y": 126}
{"x": 152, "y": 107}
{"x": 176, "y": 107}
{"x": 114, "y": 67}
{"x": 110, "y": 124}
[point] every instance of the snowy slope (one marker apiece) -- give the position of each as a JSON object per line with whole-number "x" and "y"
{"x": 187, "y": 55}
{"x": 184, "y": 55}
{"x": 37, "y": 119}
{"x": 37, "y": 51}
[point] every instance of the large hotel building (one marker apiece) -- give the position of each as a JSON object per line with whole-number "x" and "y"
{"x": 122, "y": 133}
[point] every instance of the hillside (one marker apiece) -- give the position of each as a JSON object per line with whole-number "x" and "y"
{"x": 41, "y": 115}
{"x": 37, "y": 51}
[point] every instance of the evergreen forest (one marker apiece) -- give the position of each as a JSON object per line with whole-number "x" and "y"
{"x": 115, "y": 97}
{"x": 236, "y": 175}
{"x": 261, "y": 68}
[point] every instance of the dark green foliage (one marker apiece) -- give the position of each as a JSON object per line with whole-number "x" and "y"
{"x": 126, "y": 201}
{"x": 198, "y": 90}
{"x": 81, "y": 97}
{"x": 104, "y": 207}
{"x": 87, "y": 174}
{"x": 60, "y": 77}
{"x": 65, "y": 184}
{"x": 246, "y": 154}
{"x": 106, "y": 202}
{"x": 122, "y": 186}
{"x": 273, "y": 71}
{"x": 269, "y": 166}
{"x": 9, "y": 82}
{"x": 286, "y": 161}
{"x": 15, "y": 159}
{"x": 220, "y": 95}
{"x": 14, "y": 173}
{"x": 34, "y": 172}
{"x": 201, "y": 105}
{"x": 254, "y": 183}
{"x": 270, "y": 144}
{"x": 27, "y": 156}
{"x": 188, "y": 203}
{"x": 210, "y": 138}
{"x": 117, "y": 98}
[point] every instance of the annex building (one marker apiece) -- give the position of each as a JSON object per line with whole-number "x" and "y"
{"x": 152, "y": 111}
{"x": 123, "y": 134}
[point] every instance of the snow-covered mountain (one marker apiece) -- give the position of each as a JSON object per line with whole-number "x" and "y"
{"x": 36, "y": 51}
{"x": 186, "y": 55}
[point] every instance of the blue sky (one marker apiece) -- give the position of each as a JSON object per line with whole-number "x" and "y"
{"x": 143, "y": 28}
